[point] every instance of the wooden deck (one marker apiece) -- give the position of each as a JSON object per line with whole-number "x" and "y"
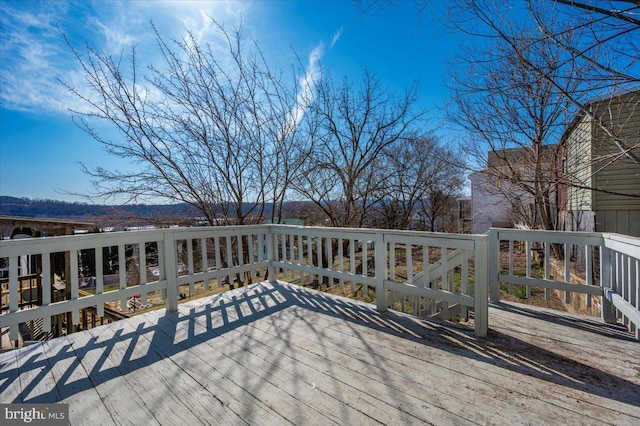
{"x": 278, "y": 354}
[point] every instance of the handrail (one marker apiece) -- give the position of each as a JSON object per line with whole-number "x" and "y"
{"x": 379, "y": 267}
{"x": 422, "y": 273}
{"x": 610, "y": 263}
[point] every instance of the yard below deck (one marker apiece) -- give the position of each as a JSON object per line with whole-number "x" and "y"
{"x": 278, "y": 353}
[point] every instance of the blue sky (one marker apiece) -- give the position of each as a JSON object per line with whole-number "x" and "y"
{"x": 40, "y": 147}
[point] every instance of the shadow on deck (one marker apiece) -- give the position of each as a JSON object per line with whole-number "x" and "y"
{"x": 278, "y": 352}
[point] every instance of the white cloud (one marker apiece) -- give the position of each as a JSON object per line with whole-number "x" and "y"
{"x": 312, "y": 77}
{"x": 336, "y": 37}
{"x": 115, "y": 37}
{"x": 308, "y": 82}
{"x": 35, "y": 57}
{"x": 32, "y": 58}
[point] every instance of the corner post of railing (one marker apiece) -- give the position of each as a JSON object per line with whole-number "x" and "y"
{"x": 381, "y": 271}
{"x": 493, "y": 256}
{"x": 607, "y": 270}
{"x": 481, "y": 303}
{"x": 171, "y": 270}
{"x": 271, "y": 255}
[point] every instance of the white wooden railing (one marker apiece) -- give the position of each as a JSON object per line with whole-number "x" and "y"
{"x": 439, "y": 275}
{"x": 595, "y": 264}
{"x": 378, "y": 264}
{"x": 446, "y": 276}
{"x": 46, "y": 248}
{"x": 621, "y": 283}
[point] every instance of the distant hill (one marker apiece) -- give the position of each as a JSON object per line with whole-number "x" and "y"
{"x": 52, "y": 209}
{"x": 118, "y": 215}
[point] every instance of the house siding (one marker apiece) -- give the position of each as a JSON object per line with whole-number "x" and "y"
{"x": 620, "y": 221}
{"x": 594, "y": 160}
{"x": 579, "y": 150}
{"x": 616, "y": 172}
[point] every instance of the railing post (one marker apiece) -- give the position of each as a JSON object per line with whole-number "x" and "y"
{"x": 493, "y": 257}
{"x": 607, "y": 268}
{"x": 481, "y": 304}
{"x": 14, "y": 303}
{"x": 170, "y": 270}
{"x": 271, "y": 271}
{"x": 381, "y": 272}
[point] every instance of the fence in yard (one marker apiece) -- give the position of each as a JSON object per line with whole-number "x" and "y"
{"x": 446, "y": 276}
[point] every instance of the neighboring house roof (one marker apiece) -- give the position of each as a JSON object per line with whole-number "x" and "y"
{"x": 499, "y": 158}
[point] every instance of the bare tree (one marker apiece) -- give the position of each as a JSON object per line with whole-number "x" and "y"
{"x": 420, "y": 177}
{"x": 597, "y": 44}
{"x": 355, "y": 126}
{"x": 444, "y": 186}
{"x": 375, "y": 6}
{"x": 515, "y": 116}
{"x": 206, "y": 129}
{"x": 600, "y": 39}
{"x": 609, "y": 44}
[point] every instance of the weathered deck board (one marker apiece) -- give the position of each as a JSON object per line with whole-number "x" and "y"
{"x": 332, "y": 371}
{"x": 191, "y": 371}
{"x": 211, "y": 361}
{"x": 277, "y": 354}
{"x": 309, "y": 380}
{"x": 35, "y": 379}
{"x": 72, "y": 380}
{"x": 490, "y": 384}
{"x": 101, "y": 360}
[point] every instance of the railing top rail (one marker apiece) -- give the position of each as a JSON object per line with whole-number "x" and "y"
{"x": 373, "y": 231}
{"x": 541, "y": 233}
{"x": 281, "y": 227}
{"x": 76, "y": 242}
{"x": 78, "y": 237}
{"x": 626, "y": 239}
{"x": 437, "y": 235}
{"x": 623, "y": 244}
{"x": 212, "y": 230}
{"x": 628, "y": 244}
{"x": 79, "y": 241}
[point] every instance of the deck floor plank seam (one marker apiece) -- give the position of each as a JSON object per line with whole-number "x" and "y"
{"x": 72, "y": 379}
{"x": 624, "y": 411}
{"x": 35, "y": 377}
{"x": 265, "y": 326}
{"x": 359, "y": 382}
{"x": 167, "y": 377}
{"x": 9, "y": 377}
{"x": 232, "y": 372}
{"x": 444, "y": 375}
{"x": 233, "y": 393}
{"x": 103, "y": 358}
